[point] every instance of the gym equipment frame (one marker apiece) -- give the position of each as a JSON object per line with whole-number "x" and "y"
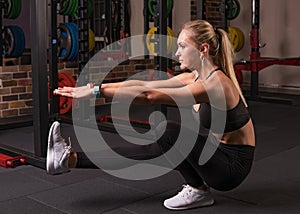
{"x": 257, "y": 62}
{"x": 39, "y": 92}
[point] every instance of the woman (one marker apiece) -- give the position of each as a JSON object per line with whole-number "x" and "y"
{"x": 209, "y": 53}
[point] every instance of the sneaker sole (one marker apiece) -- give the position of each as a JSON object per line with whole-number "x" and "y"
{"x": 50, "y": 154}
{"x": 206, "y": 203}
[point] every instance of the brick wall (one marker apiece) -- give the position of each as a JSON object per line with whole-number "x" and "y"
{"x": 194, "y": 8}
{"x": 212, "y": 11}
{"x": 16, "y": 90}
{"x": 120, "y": 72}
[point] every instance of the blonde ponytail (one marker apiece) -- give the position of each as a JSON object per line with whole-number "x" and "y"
{"x": 226, "y": 55}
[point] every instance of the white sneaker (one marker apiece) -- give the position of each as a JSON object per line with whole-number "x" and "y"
{"x": 188, "y": 198}
{"x": 58, "y": 151}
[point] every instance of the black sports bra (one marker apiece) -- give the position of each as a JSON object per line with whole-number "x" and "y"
{"x": 236, "y": 118}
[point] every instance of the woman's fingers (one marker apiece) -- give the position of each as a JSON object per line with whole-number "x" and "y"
{"x": 67, "y": 89}
{"x": 64, "y": 90}
{"x": 67, "y": 94}
{"x": 62, "y": 93}
{"x": 74, "y": 92}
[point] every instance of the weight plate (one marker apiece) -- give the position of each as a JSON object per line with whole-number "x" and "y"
{"x": 64, "y": 43}
{"x": 19, "y": 8}
{"x": 8, "y": 41}
{"x": 91, "y": 40}
{"x": 63, "y": 6}
{"x": 152, "y": 4}
{"x": 74, "y": 8}
{"x": 241, "y": 39}
{"x": 170, "y": 40}
{"x": 151, "y": 43}
{"x": 232, "y": 9}
{"x": 236, "y": 37}
{"x": 7, "y": 8}
{"x": 12, "y": 9}
{"x": 73, "y": 28}
{"x": 19, "y": 46}
{"x": 70, "y": 8}
{"x": 65, "y": 103}
{"x": 14, "y": 41}
{"x": 90, "y": 8}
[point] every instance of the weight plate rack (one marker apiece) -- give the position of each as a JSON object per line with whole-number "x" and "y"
{"x": 69, "y": 41}
{"x": 15, "y": 43}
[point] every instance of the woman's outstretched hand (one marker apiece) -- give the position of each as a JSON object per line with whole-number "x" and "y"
{"x": 74, "y": 92}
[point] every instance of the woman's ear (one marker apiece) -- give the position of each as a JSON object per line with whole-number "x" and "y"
{"x": 204, "y": 48}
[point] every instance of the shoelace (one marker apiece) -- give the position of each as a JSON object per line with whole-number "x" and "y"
{"x": 187, "y": 190}
{"x": 68, "y": 147}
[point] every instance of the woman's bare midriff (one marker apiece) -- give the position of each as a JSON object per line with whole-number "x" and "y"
{"x": 242, "y": 136}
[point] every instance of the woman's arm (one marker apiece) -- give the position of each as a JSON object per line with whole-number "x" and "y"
{"x": 182, "y": 96}
{"x": 110, "y": 88}
{"x": 174, "y": 82}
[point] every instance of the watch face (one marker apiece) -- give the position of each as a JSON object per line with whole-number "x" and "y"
{"x": 96, "y": 90}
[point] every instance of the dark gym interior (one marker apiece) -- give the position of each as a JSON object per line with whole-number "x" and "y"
{"x": 37, "y": 57}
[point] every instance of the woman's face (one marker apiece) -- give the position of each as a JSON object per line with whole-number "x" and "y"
{"x": 187, "y": 53}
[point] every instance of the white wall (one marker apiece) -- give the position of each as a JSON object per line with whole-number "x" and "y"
{"x": 181, "y": 14}
{"x": 137, "y": 17}
{"x": 280, "y": 30}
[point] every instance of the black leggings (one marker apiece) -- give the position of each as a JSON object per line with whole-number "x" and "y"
{"x": 225, "y": 170}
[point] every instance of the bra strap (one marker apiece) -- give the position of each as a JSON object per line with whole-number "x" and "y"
{"x": 212, "y": 72}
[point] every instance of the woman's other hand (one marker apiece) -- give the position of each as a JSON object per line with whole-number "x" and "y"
{"x": 74, "y": 92}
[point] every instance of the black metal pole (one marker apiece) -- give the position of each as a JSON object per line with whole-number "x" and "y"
{"x": 108, "y": 12}
{"x": 255, "y": 46}
{"x": 146, "y": 27}
{"x": 1, "y": 29}
{"x": 170, "y": 20}
{"x": 224, "y": 14}
{"x": 162, "y": 59}
{"x": 170, "y": 25}
{"x": 53, "y": 74}
{"x": 39, "y": 75}
{"x": 200, "y": 9}
{"x": 255, "y": 19}
{"x": 162, "y": 32}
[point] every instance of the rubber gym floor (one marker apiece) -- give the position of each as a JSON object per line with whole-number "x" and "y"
{"x": 273, "y": 185}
